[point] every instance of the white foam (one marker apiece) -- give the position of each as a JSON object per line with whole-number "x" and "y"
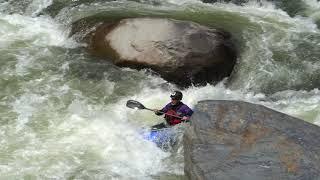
{"x": 25, "y": 106}
{"x": 39, "y": 31}
{"x": 313, "y": 4}
{"x": 111, "y": 136}
{"x": 266, "y": 13}
{"x": 24, "y": 60}
{"x": 313, "y": 9}
{"x": 36, "y": 6}
{"x": 181, "y": 2}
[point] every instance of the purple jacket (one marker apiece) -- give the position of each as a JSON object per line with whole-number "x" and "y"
{"x": 181, "y": 109}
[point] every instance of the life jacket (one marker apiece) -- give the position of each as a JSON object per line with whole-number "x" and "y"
{"x": 173, "y": 111}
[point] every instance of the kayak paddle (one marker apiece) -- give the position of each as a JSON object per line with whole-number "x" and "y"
{"x": 137, "y": 105}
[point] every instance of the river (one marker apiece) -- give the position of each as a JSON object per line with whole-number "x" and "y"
{"x": 63, "y": 113}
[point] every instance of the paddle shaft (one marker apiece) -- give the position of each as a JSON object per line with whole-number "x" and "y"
{"x": 135, "y": 104}
{"x": 165, "y": 113}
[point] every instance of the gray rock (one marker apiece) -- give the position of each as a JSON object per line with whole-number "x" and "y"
{"x": 238, "y": 140}
{"x": 181, "y": 52}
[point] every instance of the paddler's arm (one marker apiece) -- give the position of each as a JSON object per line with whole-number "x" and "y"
{"x": 162, "y": 111}
{"x": 188, "y": 114}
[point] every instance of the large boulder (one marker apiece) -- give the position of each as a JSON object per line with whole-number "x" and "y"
{"x": 181, "y": 52}
{"x": 238, "y": 140}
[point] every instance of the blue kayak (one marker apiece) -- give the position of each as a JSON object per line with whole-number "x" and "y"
{"x": 163, "y": 138}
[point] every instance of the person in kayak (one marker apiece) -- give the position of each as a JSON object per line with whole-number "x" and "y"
{"x": 179, "y": 111}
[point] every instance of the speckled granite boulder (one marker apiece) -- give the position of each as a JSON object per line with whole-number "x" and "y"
{"x": 239, "y": 140}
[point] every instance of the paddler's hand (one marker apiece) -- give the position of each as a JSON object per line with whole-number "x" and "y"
{"x": 157, "y": 112}
{"x": 185, "y": 118}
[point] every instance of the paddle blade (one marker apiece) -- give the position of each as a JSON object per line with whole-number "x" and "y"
{"x": 135, "y": 104}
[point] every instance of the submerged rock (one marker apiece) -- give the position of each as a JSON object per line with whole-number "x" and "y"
{"x": 238, "y": 140}
{"x": 181, "y": 52}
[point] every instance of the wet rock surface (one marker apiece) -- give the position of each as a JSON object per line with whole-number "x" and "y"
{"x": 239, "y": 140}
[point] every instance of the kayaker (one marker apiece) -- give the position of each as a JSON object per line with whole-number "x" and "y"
{"x": 175, "y": 108}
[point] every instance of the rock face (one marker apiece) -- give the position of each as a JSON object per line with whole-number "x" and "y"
{"x": 238, "y": 140}
{"x": 181, "y": 52}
